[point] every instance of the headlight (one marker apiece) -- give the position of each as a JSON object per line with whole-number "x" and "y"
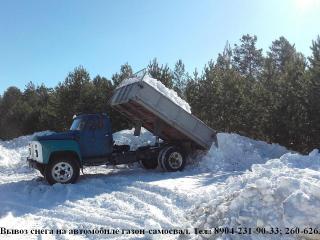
{"x": 35, "y": 151}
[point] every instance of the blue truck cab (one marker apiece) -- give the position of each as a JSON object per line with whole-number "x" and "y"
{"x": 93, "y": 134}
{"x": 59, "y": 156}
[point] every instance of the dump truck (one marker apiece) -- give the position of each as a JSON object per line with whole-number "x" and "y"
{"x": 60, "y": 156}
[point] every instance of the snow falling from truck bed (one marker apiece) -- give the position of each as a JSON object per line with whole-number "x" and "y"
{"x": 242, "y": 183}
{"x": 160, "y": 87}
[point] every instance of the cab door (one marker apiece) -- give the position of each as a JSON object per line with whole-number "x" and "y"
{"x": 103, "y": 136}
{"x": 93, "y": 138}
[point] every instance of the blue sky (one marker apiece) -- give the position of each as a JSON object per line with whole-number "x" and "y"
{"x": 41, "y": 41}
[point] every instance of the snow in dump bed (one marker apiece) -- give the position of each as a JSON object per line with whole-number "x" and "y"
{"x": 160, "y": 87}
{"x": 242, "y": 183}
{"x": 126, "y": 137}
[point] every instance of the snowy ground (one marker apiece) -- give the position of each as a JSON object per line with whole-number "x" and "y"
{"x": 243, "y": 183}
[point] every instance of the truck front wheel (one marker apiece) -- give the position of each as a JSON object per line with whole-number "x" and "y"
{"x": 62, "y": 170}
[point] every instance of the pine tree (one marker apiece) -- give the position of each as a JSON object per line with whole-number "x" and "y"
{"x": 161, "y": 73}
{"x": 180, "y": 78}
{"x": 285, "y": 82}
{"x": 313, "y": 92}
{"x": 224, "y": 60}
{"x": 12, "y": 113}
{"x": 192, "y": 93}
{"x": 247, "y": 59}
{"x": 74, "y": 95}
{"x": 125, "y": 72}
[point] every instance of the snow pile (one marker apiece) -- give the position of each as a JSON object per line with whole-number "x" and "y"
{"x": 235, "y": 152}
{"x": 283, "y": 192}
{"x": 238, "y": 153}
{"x": 160, "y": 87}
{"x": 9, "y": 159}
{"x": 13, "y": 153}
{"x": 126, "y": 137}
{"x": 22, "y": 141}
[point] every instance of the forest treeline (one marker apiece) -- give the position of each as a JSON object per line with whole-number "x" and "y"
{"x": 271, "y": 95}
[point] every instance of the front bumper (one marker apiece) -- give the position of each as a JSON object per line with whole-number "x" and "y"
{"x": 34, "y": 164}
{"x": 31, "y": 163}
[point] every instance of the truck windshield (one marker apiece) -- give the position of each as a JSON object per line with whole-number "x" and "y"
{"x": 78, "y": 124}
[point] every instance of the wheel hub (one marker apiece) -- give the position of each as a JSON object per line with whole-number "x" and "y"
{"x": 62, "y": 172}
{"x": 175, "y": 160}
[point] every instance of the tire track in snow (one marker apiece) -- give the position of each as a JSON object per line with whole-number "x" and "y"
{"x": 114, "y": 202}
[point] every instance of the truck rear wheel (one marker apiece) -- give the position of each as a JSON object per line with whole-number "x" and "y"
{"x": 62, "y": 170}
{"x": 160, "y": 157}
{"x": 172, "y": 159}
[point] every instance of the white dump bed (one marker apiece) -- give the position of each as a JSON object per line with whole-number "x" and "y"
{"x": 143, "y": 104}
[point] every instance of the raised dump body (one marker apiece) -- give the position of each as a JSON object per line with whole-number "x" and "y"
{"x": 147, "y": 107}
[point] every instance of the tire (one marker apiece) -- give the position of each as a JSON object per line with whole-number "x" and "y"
{"x": 173, "y": 159}
{"x": 149, "y": 163}
{"x": 62, "y": 170}
{"x": 160, "y": 157}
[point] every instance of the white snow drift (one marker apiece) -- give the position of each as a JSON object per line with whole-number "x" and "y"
{"x": 242, "y": 183}
{"x": 160, "y": 87}
{"x": 283, "y": 192}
